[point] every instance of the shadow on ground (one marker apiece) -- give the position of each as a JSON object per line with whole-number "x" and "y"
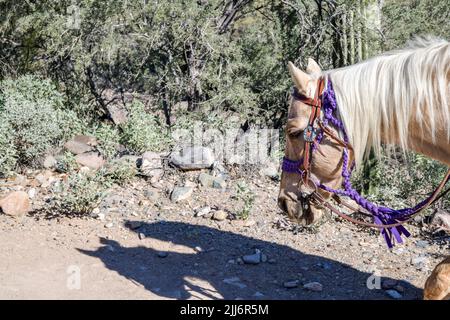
{"x": 186, "y": 273}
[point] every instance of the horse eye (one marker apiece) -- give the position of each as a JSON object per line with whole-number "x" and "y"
{"x": 294, "y": 133}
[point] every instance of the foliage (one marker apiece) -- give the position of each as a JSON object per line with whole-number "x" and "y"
{"x": 32, "y": 120}
{"x": 108, "y": 137}
{"x": 247, "y": 197}
{"x": 81, "y": 194}
{"x": 142, "y": 132}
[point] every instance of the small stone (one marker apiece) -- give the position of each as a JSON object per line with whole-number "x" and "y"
{"x": 235, "y": 281}
{"x": 49, "y": 162}
{"x": 263, "y": 258}
{"x": 419, "y": 262}
{"x": 231, "y": 261}
{"x": 393, "y": 294}
{"x": 101, "y": 216}
{"x": 32, "y": 193}
{"x": 163, "y": 254}
{"x": 109, "y": 225}
{"x": 198, "y": 249}
{"x": 422, "y": 244}
{"x": 291, "y": 284}
{"x": 249, "y": 223}
{"x": 220, "y": 215}
{"x": 181, "y": 193}
{"x": 203, "y": 211}
{"x": 219, "y": 183}
{"x": 313, "y": 286}
{"x": 141, "y": 236}
{"x": 95, "y": 212}
{"x": 206, "y": 180}
{"x": 258, "y": 294}
{"x": 16, "y": 203}
{"x": 252, "y": 258}
{"x": 239, "y": 261}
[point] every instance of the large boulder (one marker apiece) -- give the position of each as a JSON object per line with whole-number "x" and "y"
{"x": 151, "y": 165}
{"x": 16, "y": 204}
{"x": 192, "y": 158}
{"x": 81, "y": 144}
{"x": 117, "y": 113}
{"x": 92, "y": 160}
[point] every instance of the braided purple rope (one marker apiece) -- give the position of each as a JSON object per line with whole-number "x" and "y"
{"x": 382, "y": 215}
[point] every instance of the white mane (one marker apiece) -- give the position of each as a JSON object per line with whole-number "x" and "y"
{"x": 384, "y": 91}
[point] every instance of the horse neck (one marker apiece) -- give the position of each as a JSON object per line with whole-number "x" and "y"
{"x": 420, "y": 139}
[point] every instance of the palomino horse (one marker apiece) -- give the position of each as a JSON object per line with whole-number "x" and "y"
{"x": 398, "y": 98}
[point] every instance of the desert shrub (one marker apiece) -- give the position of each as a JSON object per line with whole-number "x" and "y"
{"x": 401, "y": 181}
{"x": 81, "y": 194}
{"x": 8, "y": 156}
{"x": 122, "y": 170}
{"x": 108, "y": 137}
{"x": 32, "y": 120}
{"x": 142, "y": 132}
{"x": 247, "y": 199}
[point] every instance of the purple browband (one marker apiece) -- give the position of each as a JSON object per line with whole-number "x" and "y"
{"x": 382, "y": 215}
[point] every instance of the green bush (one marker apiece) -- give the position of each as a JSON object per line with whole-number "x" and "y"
{"x": 142, "y": 132}
{"x": 108, "y": 137}
{"x": 81, "y": 194}
{"x": 32, "y": 121}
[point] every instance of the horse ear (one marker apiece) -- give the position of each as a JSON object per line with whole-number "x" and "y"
{"x": 299, "y": 77}
{"x": 313, "y": 67}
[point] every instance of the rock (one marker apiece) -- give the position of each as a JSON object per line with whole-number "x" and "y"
{"x": 252, "y": 258}
{"x": 270, "y": 170}
{"x": 101, "y": 216}
{"x": 249, "y": 223}
{"x": 109, "y": 225}
{"x": 163, "y": 254}
{"x": 419, "y": 262}
{"x": 16, "y": 203}
{"x": 393, "y": 294}
{"x": 141, "y": 236}
{"x": 181, "y": 193}
{"x": 49, "y": 162}
{"x": 231, "y": 261}
{"x": 313, "y": 286}
{"x": 117, "y": 114}
{"x": 151, "y": 165}
{"x": 291, "y": 284}
{"x": 441, "y": 220}
{"x": 92, "y": 160}
{"x": 388, "y": 284}
{"x": 258, "y": 294}
{"x": 134, "y": 224}
{"x": 192, "y": 158}
{"x": 220, "y": 215}
{"x": 206, "y": 180}
{"x": 32, "y": 193}
{"x": 77, "y": 147}
{"x": 239, "y": 261}
{"x": 202, "y": 211}
{"x": 263, "y": 258}
{"x": 198, "y": 249}
{"x": 422, "y": 244}
{"x": 219, "y": 183}
{"x": 41, "y": 179}
{"x": 235, "y": 281}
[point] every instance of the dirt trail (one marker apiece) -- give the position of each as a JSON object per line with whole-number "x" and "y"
{"x": 168, "y": 253}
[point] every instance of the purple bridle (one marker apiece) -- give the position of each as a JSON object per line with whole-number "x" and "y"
{"x": 383, "y": 216}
